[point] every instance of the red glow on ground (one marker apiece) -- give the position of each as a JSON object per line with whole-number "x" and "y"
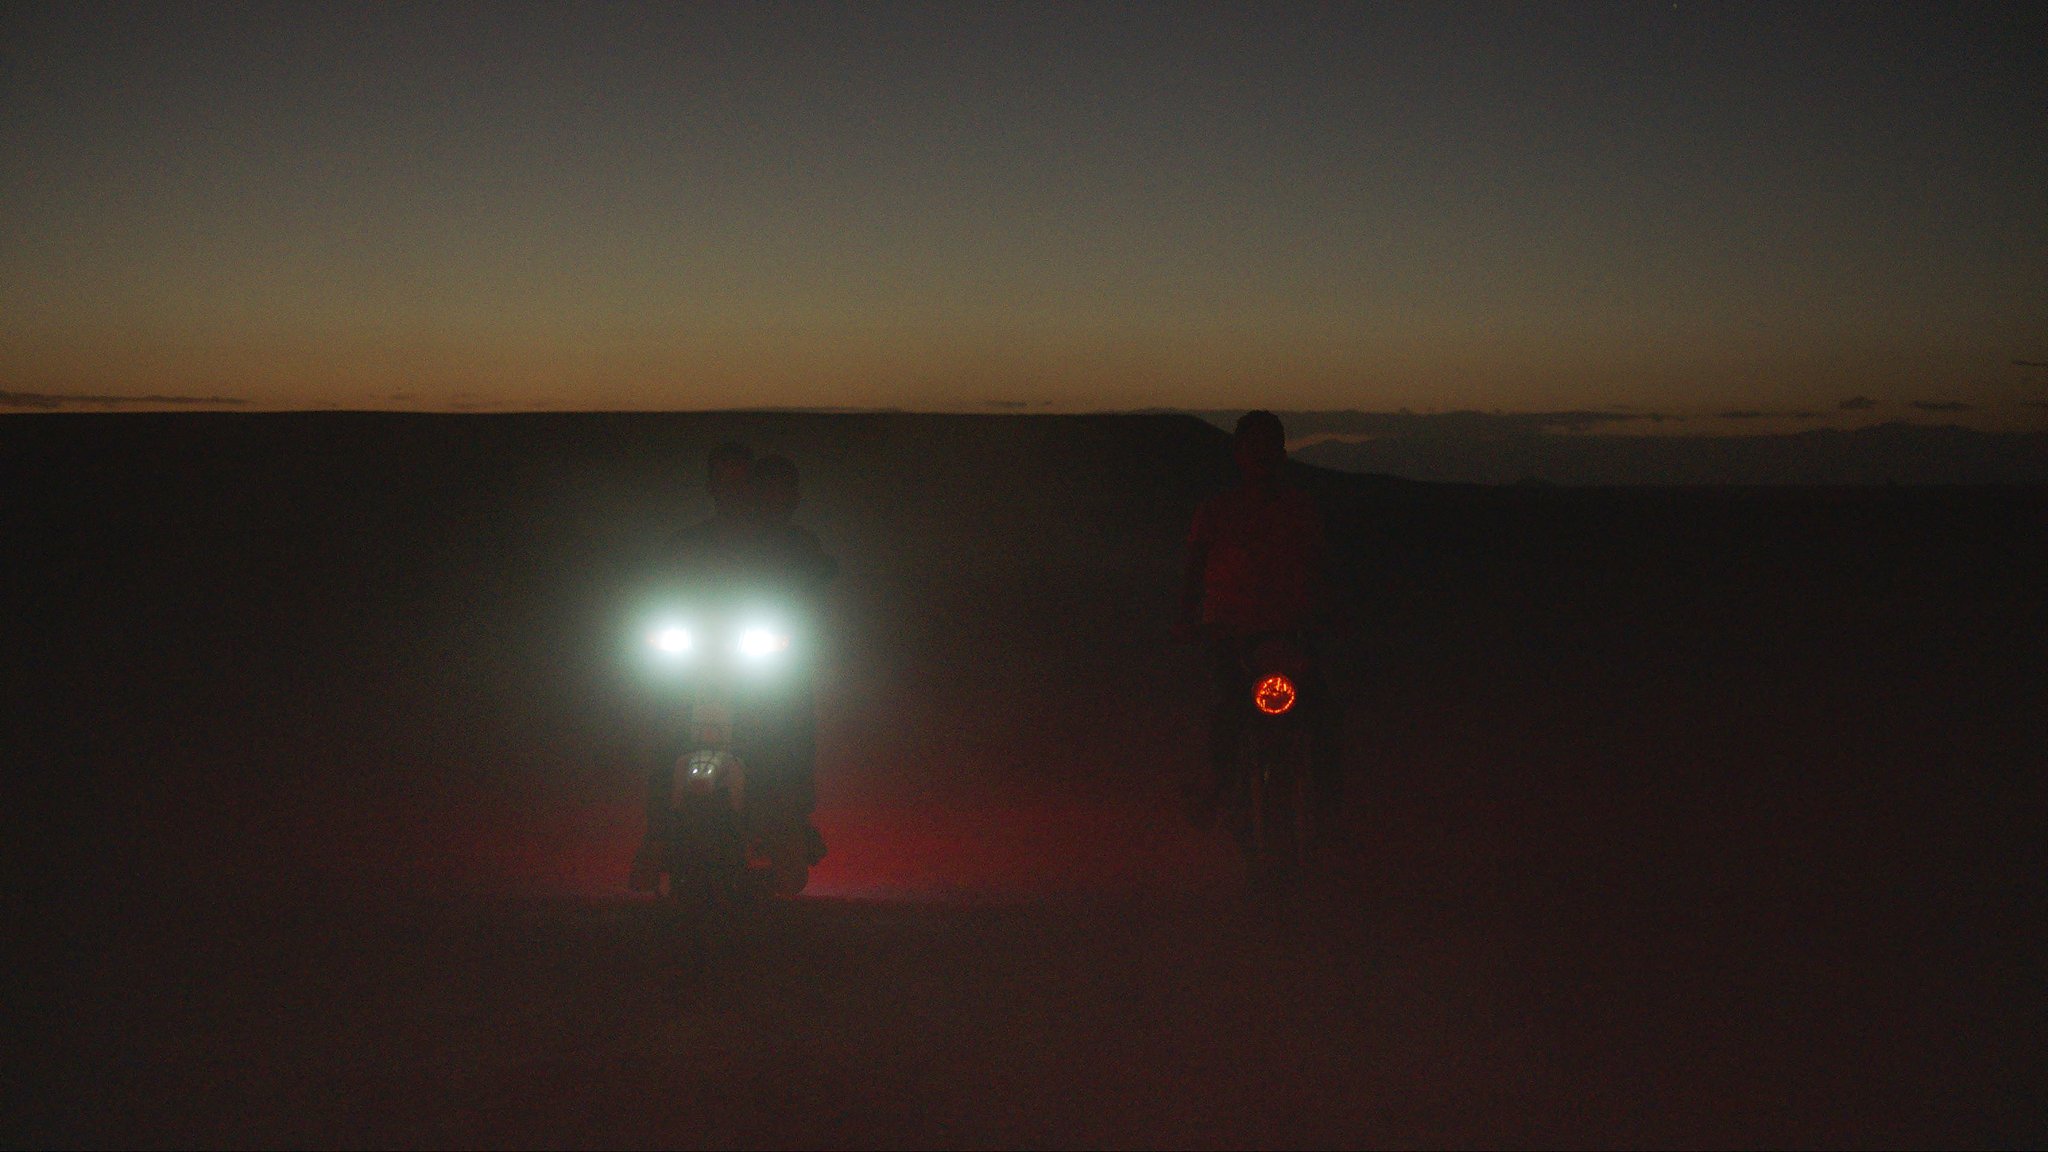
{"x": 1020, "y": 851}
{"x": 928, "y": 851}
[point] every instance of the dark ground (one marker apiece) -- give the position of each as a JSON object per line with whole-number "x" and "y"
{"x": 1681, "y": 817}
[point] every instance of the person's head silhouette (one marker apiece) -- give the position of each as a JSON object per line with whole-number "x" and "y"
{"x": 727, "y": 473}
{"x": 1260, "y": 448}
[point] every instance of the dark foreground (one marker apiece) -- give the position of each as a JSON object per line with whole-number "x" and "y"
{"x": 1681, "y": 818}
{"x": 1383, "y": 1021}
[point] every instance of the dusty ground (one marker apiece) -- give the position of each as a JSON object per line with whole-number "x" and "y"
{"x": 1679, "y": 819}
{"x": 1426, "y": 999}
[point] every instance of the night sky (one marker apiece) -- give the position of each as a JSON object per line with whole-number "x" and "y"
{"x": 1665, "y": 207}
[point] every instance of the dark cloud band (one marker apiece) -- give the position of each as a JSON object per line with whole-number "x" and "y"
{"x": 50, "y": 400}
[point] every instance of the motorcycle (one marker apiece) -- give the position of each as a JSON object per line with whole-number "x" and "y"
{"x": 1274, "y": 806}
{"x": 724, "y": 837}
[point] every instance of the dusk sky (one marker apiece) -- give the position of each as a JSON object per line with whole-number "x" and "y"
{"x": 1681, "y": 208}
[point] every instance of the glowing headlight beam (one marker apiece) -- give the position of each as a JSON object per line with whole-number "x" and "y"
{"x": 760, "y": 643}
{"x": 674, "y": 641}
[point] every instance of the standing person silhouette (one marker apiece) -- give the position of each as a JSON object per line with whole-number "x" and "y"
{"x": 1256, "y": 566}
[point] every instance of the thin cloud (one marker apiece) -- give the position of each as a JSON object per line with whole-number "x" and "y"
{"x": 1744, "y": 414}
{"x": 1354, "y": 424}
{"x": 1943, "y": 406}
{"x": 1857, "y": 404}
{"x": 2032, "y": 363}
{"x": 49, "y": 400}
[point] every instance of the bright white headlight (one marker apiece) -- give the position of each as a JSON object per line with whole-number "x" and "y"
{"x": 674, "y": 641}
{"x": 760, "y": 643}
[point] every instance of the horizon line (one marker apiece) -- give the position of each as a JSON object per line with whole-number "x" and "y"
{"x": 1563, "y": 422}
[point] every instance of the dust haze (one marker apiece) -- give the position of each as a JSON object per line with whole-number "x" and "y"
{"x": 1676, "y": 815}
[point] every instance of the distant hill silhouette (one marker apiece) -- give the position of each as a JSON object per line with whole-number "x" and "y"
{"x": 1893, "y": 453}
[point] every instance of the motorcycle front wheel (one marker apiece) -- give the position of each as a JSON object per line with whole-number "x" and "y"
{"x": 689, "y": 895}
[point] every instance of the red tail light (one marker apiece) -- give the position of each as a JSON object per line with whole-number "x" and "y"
{"x": 1274, "y": 695}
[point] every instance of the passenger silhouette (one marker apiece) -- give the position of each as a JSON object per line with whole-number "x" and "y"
{"x": 788, "y": 564}
{"x": 1256, "y": 565}
{"x": 786, "y": 555}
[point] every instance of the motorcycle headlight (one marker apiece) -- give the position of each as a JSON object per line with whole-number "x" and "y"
{"x": 673, "y": 640}
{"x": 761, "y": 643}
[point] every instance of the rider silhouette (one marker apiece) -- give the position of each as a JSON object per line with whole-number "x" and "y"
{"x": 1256, "y": 567}
{"x": 749, "y": 546}
{"x": 713, "y": 548}
{"x": 707, "y": 553}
